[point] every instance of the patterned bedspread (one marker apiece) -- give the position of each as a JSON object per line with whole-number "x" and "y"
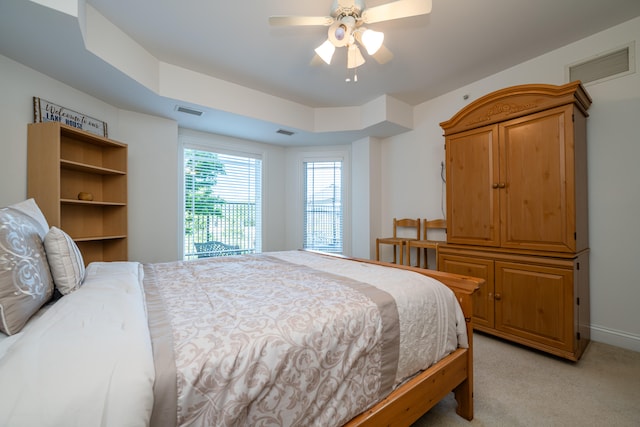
{"x": 288, "y": 338}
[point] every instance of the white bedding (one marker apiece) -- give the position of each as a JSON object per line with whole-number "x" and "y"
{"x": 49, "y": 380}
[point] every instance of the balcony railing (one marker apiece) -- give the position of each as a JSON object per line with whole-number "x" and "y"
{"x": 230, "y": 231}
{"x": 323, "y": 228}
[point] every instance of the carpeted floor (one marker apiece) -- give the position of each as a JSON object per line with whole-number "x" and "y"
{"x": 517, "y": 386}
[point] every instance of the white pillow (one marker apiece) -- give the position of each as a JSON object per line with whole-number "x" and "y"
{"x": 30, "y": 207}
{"x": 65, "y": 260}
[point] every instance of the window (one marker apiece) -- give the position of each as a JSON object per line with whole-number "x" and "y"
{"x": 323, "y": 210}
{"x": 222, "y": 204}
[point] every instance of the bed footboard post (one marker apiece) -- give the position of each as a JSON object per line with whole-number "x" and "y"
{"x": 464, "y": 392}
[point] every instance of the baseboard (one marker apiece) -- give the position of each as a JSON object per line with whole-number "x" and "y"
{"x": 615, "y": 338}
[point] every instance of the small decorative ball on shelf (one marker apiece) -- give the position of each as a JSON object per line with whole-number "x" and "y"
{"x": 85, "y": 196}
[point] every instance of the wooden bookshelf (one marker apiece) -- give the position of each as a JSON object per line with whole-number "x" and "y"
{"x": 64, "y": 161}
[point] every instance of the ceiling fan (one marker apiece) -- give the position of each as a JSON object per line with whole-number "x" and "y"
{"x": 347, "y": 27}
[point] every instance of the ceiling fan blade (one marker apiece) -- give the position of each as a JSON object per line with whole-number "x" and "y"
{"x": 383, "y": 55}
{"x": 396, "y": 10}
{"x": 281, "y": 21}
{"x": 344, "y": 3}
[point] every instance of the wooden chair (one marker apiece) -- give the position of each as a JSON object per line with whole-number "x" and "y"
{"x": 425, "y": 244}
{"x": 400, "y": 226}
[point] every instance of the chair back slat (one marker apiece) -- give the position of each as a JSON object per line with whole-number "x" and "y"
{"x": 434, "y": 224}
{"x": 407, "y": 224}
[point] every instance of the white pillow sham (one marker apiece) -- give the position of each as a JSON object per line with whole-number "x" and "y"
{"x": 65, "y": 260}
{"x": 25, "y": 279}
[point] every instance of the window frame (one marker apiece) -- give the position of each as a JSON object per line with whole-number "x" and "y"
{"x": 221, "y": 145}
{"x": 330, "y": 155}
{"x": 331, "y": 165}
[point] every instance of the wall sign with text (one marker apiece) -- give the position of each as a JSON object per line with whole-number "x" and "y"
{"x": 45, "y": 111}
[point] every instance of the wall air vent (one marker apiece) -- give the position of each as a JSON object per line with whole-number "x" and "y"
{"x": 285, "y": 132}
{"x": 604, "y": 66}
{"x": 188, "y": 110}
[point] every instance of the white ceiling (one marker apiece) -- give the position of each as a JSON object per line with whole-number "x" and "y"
{"x": 460, "y": 42}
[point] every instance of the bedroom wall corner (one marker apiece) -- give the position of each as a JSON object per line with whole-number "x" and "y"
{"x": 365, "y": 181}
{"x": 410, "y": 183}
{"x": 154, "y": 205}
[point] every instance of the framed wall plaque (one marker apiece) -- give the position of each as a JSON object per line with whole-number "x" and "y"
{"x": 45, "y": 111}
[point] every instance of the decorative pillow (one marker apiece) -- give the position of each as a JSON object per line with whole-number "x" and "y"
{"x": 65, "y": 260}
{"x": 29, "y": 207}
{"x": 25, "y": 280}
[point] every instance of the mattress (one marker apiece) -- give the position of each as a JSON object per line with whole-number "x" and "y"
{"x": 282, "y": 338}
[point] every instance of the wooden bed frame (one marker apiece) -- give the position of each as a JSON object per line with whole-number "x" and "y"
{"x": 453, "y": 373}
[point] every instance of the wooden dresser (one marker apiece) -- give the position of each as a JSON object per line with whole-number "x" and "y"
{"x": 516, "y": 175}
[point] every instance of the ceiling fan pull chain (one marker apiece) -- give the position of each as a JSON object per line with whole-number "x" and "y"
{"x": 355, "y": 75}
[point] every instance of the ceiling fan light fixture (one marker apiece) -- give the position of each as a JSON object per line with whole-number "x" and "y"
{"x": 354, "y": 57}
{"x": 339, "y": 32}
{"x": 325, "y": 51}
{"x": 346, "y": 28}
{"x": 372, "y": 40}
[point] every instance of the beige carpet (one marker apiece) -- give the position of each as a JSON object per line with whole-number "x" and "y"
{"x": 517, "y": 386}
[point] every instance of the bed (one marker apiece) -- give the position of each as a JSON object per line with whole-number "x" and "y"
{"x": 281, "y": 338}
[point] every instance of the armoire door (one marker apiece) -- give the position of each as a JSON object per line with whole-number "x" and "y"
{"x": 537, "y": 181}
{"x": 472, "y": 201}
{"x": 535, "y": 302}
{"x": 483, "y": 310}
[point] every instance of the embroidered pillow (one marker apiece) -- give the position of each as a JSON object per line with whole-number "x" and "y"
{"x": 65, "y": 260}
{"x": 25, "y": 280}
{"x": 29, "y": 207}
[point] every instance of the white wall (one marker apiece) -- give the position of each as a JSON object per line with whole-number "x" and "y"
{"x": 365, "y": 196}
{"x": 154, "y": 197}
{"x": 154, "y": 203}
{"x": 152, "y": 213}
{"x": 18, "y": 86}
{"x": 410, "y": 168}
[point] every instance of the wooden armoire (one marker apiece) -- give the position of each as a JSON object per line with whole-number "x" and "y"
{"x": 516, "y": 180}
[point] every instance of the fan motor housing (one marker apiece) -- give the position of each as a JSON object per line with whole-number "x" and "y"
{"x": 342, "y": 8}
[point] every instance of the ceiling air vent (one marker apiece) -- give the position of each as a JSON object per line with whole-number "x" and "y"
{"x": 285, "y": 132}
{"x": 188, "y": 110}
{"x": 604, "y": 66}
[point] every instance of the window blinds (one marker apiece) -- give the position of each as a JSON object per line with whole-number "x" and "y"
{"x": 323, "y": 210}
{"x": 222, "y": 204}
